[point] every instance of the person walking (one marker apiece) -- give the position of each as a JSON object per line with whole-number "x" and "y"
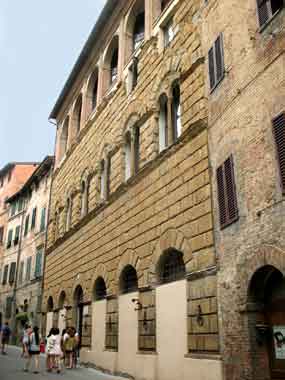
{"x": 34, "y": 350}
{"x": 69, "y": 348}
{"x": 5, "y": 337}
{"x": 55, "y": 350}
{"x": 25, "y": 339}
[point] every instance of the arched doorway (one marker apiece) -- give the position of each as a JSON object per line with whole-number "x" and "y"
{"x": 49, "y": 316}
{"x": 62, "y": 312}
{"x": 78, "y": 307}
{"x": 267, "y": 323}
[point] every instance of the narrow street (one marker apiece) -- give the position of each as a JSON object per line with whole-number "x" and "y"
{"x": 11, "y": 368}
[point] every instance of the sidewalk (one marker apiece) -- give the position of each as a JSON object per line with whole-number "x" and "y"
{"x": 11, "y": 368}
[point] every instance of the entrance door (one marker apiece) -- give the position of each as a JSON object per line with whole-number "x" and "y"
{"x": 79, "y": 320}
{"x": 275, "y": 311}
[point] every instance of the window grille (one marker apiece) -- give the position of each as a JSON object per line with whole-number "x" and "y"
{"x": 129, "y": 280}
{"x": 216, "y": 62}
{"x": 279, "y": 135}
{"x": 100, "y": 289}
{"x": 171, "y": 267}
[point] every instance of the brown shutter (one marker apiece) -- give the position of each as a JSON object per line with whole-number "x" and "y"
{"x": 219, "y": 58}
{"x": 211, "y": 67}
{"x": 221, "y": 195}
{"x": 227, "y": 198}
{"x": 231, "y": 190}
{"x": 263, "y": 13}
{"x": 279, "y": 134}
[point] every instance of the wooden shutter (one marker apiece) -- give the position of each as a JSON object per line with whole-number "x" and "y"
{"x": 219, "y": 58}
{"x": 1, "y": 234}
{"x": 17, "y": 235}
{"x": 28, "y": 270}
{"x": 211, "y": 67}
{"x": 263, "y": 11}
{"x": 34, "y": 215}
{"x": 10, "y": 237}
{"x": 8, "y": 309}
{"x": 12, "y": 273}
{"x": 38, "y": 266}
{"x": 43, "y": 220}
{"x": 227, "y": 198}
{"x": 5, "y": 275}
{"x": 21, "y": 272}
{"x": 279, "y": 134}
{"x": 26, "y": 225}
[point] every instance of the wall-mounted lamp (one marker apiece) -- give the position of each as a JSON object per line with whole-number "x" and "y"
{"x": 138, "y": 304}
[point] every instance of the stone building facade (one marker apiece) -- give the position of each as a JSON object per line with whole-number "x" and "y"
{"x": 23, "y": 255}
{"x": 12, "y": 177}
{"x": 130, "y": 254}
{"x": 247, "y": 130}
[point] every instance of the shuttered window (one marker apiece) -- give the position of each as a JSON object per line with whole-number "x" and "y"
{"x": 17, "y": 235}
{"x": 279, "y": 135}
{"x": 1, "y": 234}
{"x": 216, "y": 62}
{"x": 8, "y": 309}
{"x": 227, "y": 198}
{"x": 10, "y": 237}
{"x": 34, "y": 217}
{"x": 21, "y": 271}
{"x": 28, "y": 269}
{"x": 38, "y": 265}
{"x": 267, "y": 9}
{"x": 26, "y": 225}
{"x": 43, "y": 220}
{"x": 5, "y": 275}
{"x": 12, "y": 273}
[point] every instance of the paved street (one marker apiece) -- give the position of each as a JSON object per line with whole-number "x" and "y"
{"x": 11, "y": 368}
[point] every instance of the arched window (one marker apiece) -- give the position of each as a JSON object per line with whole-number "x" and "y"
{"x": 139, "y": 27}
{"x": 134, "y": 29}
{"x": 170, "y": 266}
{"x": 64, "y": 138}
{"x": 92, "y": 93}
{"x": 164, "y": 4}
{"x": 61, "y": 301}
{"x": 176, "y": 112}
{"x": 50, "y": 304}
{"x": 163, "y": 116}
{"x": 128, "y": 280}
{"x": 100, "y": 290}
{"x": 68, "y": 214}
{"x": 128, "y": 156}
{"x": 114, "y": 67}
{"x": 77, "y": 115}
{"x": 84, "y": 197}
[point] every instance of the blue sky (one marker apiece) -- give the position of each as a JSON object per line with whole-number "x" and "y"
{"x": 39, "y": 43}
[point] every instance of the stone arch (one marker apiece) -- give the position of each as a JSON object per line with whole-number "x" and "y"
{"x": 170, "y": 72}
{"x": 61, "y": 299}
{"x": 170, "y": 239}
{"x": 137, "y": 10}
{"x": 129, "y": 257}
{"x": 83, "y": 283}
{"x": 266, "y": 255}
{"x": 100, "y": 271}
{"x": 135, "y": 112}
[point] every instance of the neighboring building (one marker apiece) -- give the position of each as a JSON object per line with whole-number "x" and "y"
{"x": 245, "y": 41}
{"x": 130, "y": 258}
{"x": 12, "y": 177}
{"x": 21, "y": 282}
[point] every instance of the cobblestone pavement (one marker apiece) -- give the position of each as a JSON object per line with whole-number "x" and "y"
{"x": 11, "y": 368}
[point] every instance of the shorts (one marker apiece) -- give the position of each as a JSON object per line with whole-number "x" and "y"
{"x": 34, "y": 352}
{"x": 5, "y": 340}
{"x": 69, "y": 351}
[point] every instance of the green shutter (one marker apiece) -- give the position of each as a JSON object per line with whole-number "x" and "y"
{"x": 28, "y": 270}
{"x": 26, "y": 225}
{"x": 43, "y": 220}
{"x": 38, "y": 267}
{"x": 34, "y": 216}
{"x": 10, "y": 237}
{"x": 17, "y": 235}
{"x": 21, "y": 272}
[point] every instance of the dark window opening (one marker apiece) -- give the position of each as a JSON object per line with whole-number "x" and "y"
{"x": 139, "y": 30}
{"x": 129, "y": 280}
{"x": 50, "y": 305}
{"x": 267, "y": 9}
{"x": 176, "y": 109}
{"x": 171, "y": 267}
{"x": 164, "y": 4}
{"x": 114, "y": 66}
{"x": 95, "y": 94}
{"x": 100, "y": 289}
